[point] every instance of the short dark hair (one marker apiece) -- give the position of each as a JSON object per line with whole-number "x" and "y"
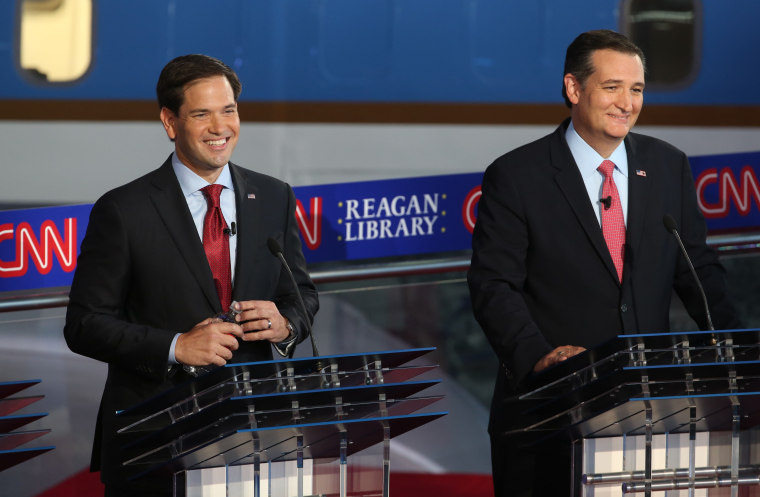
{"x": 579, "y": 58}
{"x": 185, "y": 69}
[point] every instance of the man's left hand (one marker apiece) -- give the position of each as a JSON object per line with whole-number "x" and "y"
{"x": 261, "y": 320}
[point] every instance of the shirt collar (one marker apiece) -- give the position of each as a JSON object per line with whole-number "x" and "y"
{"x": 191, "y": 183}
{"x": 588, "y": 159}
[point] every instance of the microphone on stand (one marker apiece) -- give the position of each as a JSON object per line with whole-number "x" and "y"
{"x": 672, "y": 227}
{"x": 276, "y": 251}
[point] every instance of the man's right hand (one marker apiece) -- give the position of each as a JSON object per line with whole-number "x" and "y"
{"x": 209, "y": 342}
{"x": 556, "y": 356}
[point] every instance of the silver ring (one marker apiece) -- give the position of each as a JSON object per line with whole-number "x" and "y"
{"x": 269, "y": 324}
{"x": 561, "y": 353}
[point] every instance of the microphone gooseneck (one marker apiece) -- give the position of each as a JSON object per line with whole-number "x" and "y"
{"x": 672, "y": 227}
{"x": 276, "y": 251}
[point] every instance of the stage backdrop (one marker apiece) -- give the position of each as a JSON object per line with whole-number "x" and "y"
{"x": 363, "y": 220}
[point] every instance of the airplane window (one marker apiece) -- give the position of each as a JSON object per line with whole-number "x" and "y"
{"x": 55, "y": 39}
{"x": 669, "y": 33}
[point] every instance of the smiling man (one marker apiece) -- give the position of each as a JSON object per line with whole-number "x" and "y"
{"x": 569, "y": 248}
{"x": 165, "y": 253}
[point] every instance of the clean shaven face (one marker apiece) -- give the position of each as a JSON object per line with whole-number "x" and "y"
{"x": 607, "y": 106}
{"x": 206, "y": 130}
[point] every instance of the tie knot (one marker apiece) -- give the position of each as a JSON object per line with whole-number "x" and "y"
{"x": 606, "y": 168}
{"x": 212, "y": 192}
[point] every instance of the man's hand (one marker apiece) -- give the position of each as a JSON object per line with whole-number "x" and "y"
{"x": 261, "y": 320}
{"x": 556, "y": 356}
{"x": 209, "y": 342}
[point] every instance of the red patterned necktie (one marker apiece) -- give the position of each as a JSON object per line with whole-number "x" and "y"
{"x": 217, "y": 244}
{"x": 613, "y": 225}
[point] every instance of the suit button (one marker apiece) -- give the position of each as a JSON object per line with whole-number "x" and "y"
{"x": 623, "y": 308}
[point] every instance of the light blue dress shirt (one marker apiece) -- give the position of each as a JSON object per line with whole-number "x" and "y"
{"x": 191, "y": 185}
{"x": 588, "y": 160}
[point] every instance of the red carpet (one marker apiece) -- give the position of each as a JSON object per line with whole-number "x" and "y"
{"x": 445, "y": 485}
{"x": 86, "y": 484}
{"x": 82, "y": 484}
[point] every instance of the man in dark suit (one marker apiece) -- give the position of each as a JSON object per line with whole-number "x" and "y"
{"x": 553, "y": 272}
{"x": 144, "y": 290}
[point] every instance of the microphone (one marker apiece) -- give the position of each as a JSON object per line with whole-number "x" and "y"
{"x": 607, "y": 201}
{"x": 276, "y": 251}
{"x": 672, "y": 227}
{"x": 231, "y": 231}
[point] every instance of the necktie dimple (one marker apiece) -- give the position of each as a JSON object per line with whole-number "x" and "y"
{"x": 613, "y": 225}
{"x": 216, "y": 244}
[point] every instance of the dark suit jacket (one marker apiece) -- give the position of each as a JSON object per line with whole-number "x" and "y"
{"x": 542, "y": 276}
{"x": 142, "y": 276}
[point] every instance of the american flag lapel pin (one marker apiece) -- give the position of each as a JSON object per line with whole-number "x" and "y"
{"x": 641, "y": 172}
{"x": 251, "y": 195}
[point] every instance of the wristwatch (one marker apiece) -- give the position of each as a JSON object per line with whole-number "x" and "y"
{"x": 292, "y": 335}
{"x": 285, "y": 347}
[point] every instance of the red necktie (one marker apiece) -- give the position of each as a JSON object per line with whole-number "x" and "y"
{"x": 613, "y": 225}
{"x": 217, "y": 244}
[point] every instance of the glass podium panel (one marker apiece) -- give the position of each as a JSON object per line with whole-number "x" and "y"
{"x": 657, "y": 413}
{"x": 11, "y": 440}
{"x": 310, "y": 426}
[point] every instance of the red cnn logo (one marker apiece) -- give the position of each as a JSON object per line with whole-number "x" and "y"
{"x": 41, "y": 251}
{"x": 740, "y": 193}
{"x": 310, "y": 226}
{"x": 468, "y": 208}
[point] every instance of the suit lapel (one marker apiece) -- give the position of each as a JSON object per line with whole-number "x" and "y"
{"x": 570, "y": 182}
{"x": 639, "y": 186}
{"x": 247, "y": 204}
{"x": 172, "y": 209}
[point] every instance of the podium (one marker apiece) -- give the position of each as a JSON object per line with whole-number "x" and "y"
{"x": 283, "y": 427}
{"x": 696, "y": 391}
{"x": 11, "y": 441}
